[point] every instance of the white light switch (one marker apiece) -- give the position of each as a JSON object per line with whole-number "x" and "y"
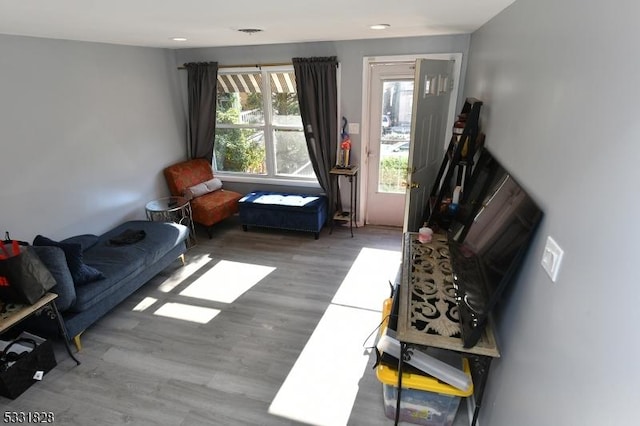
{"x": 354, "y": 128}
{"x": 551, "y": 258}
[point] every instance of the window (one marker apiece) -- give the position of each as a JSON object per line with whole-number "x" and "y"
{"x": 258, "y": 126}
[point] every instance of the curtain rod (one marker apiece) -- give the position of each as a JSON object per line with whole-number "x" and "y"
{"x": 276, "y": 64}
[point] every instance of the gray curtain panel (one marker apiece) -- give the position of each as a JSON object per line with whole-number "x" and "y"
{"x": 317, "y": 86}
{"x": 201, "y": 84}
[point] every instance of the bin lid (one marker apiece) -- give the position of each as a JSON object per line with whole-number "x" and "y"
{"x": 389, "y": 376}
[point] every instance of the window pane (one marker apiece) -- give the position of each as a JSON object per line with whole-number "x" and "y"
{"x": 393, "y": 173}
{"x": 395, "y": 135}
{"x": 240, "y": 150}
{"x": 239, "y": 99}
{"x": 251, "y": 139}
{"x": 286, "y": 111}
{"x": 292, "y": 156}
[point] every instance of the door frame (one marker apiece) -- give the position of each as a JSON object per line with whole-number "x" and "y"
{"x": 366, "y": 95}
{"x": 386, "y": 207}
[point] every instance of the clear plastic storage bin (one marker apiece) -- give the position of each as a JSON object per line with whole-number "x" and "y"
{"x": 424, "y": 400}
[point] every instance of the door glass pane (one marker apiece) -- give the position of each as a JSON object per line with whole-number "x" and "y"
{"x": 395, "y": 135}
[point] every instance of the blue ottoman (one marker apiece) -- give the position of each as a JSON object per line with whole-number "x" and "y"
{"x": 297, "y": 212}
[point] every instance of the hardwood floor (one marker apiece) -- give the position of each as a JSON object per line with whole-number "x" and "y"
{"x": 142, "y": 368}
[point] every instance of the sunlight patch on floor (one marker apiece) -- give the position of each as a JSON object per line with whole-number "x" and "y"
{"x": 322, "y": 386}
{"x": 183, "y": 273}
{"x": 367, "y": 282}
{"x": 144, "y": 304}
{"x": 226, "y": 281}
{"x": 187, "y": 312}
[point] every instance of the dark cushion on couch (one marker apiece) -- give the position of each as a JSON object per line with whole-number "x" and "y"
{"x": 86, "y": 241}
{"x": 54, "y": 259}
{"x": 80, "y": 272}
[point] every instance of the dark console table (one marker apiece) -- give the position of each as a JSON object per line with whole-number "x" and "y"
{"x": 428, "y": 314}
{"x": 351, "y": 174}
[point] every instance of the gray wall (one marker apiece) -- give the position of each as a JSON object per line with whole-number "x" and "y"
{"x": 350, "y": 55}
{"x": 560, "y": 84}
{"x": 85, "y": 130}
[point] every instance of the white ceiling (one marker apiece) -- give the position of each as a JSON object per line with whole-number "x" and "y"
{"x": 209, "y": 23}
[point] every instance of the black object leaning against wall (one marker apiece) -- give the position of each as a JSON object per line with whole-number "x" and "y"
{"x": 488, "y": 241}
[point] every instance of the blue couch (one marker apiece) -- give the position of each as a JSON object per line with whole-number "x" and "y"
{"x": 95, "y": 273}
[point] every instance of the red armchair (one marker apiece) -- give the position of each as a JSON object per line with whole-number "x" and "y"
{"x": 207, "y": 209}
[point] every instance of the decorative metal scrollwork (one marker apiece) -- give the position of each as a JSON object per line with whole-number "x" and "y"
{"x": 433, "y": 306}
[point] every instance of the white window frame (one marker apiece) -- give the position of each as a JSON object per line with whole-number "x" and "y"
{"x": 270, "y": 177}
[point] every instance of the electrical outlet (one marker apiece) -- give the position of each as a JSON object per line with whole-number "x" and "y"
{"x": 552, "y": 258}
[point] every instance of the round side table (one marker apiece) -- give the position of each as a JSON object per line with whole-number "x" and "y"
{"x": 172, "y": 209}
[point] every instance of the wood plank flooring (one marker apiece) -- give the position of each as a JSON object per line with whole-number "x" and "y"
{"x": 139, "y": 368}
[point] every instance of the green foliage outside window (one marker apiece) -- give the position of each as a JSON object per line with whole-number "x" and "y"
{"x": 253, "y": 101}
{"x": 393, "y": 172}
{"x": 241, "y": 142}
{"x": 236, "y": 150}
{"x": 285, "y": 104}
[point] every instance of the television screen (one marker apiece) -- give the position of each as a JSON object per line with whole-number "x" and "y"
{"x": 488, "y": 241}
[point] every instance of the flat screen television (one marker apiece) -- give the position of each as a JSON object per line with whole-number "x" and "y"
{"x": 488, "y": 240}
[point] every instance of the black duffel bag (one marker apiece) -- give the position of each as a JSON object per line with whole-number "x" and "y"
{"x": 24, "y": 278}
{"x": 19, "y": 369}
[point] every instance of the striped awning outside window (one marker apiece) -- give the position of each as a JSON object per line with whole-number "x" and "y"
{"x": 281, "y": 82}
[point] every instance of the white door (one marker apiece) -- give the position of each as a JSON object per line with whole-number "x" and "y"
{"x": 390, "y": 117}
{"x": 433, "y": 85}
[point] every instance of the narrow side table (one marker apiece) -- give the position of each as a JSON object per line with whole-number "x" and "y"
{"x": 14, "y": 313}
{"x": 350, "y": 215}
{"x": 172, "y": 209}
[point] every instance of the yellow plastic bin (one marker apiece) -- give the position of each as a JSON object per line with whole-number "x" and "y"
{"x": 424, "y": 399}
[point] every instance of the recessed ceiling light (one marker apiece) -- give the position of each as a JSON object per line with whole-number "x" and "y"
{"x": 379, "y": 26}
{"x": 179, "y": 38}
{"x": 250, "y": 30}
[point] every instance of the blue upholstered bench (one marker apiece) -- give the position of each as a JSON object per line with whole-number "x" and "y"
{"x": 297, "y": 212}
